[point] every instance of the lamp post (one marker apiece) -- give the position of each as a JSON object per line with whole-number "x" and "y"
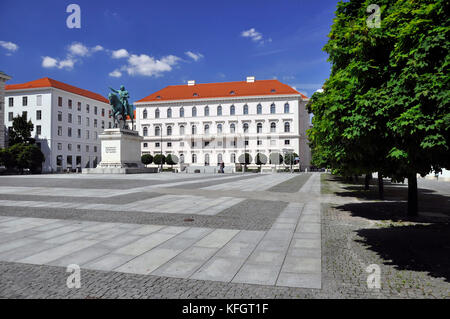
{"x": 160, "y": 133}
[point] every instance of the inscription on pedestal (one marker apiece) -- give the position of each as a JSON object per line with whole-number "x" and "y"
{"x": 110, "y": 149}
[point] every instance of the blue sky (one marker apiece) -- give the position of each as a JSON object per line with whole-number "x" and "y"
{"x": 147, "y": 45}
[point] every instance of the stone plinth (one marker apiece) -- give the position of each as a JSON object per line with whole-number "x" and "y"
{"x": 121, "y": 153}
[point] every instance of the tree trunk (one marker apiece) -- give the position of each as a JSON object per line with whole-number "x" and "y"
{"x": 380, "y": 186}
{"x": 412, "y": 195}
{"x": 366, "y": 181}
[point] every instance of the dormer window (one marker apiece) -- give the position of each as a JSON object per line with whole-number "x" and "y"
{"x": 158, "y": 97}
{"x": 272, "y": 91}
{"x": 195, "y": 94}
{"x": 232, "y": 92}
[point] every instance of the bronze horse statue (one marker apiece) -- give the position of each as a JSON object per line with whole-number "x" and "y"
{"x": 120, "y": 107}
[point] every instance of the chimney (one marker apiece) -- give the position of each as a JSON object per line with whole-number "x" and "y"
{"x": 191, "y": 83}
{"x": 250, "y": 79}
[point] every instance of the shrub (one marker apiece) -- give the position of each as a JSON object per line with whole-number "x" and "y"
{"x": 146, "y": 159}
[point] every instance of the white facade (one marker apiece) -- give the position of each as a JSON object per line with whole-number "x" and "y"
{"x": 3, "y": 79}
{"x": 207, "y": 131}
{"x": 66, "y": 125}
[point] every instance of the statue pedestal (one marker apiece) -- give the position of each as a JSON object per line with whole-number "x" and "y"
{"x": 121, "y": 153}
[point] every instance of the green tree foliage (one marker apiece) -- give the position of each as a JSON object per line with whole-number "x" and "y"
{"x": 22, "y": 156}
{"x": 146, "y": 159}
{"x": 159, "y": 159}
{"x": 169, "y": 160}
{"x": 385, "y": 107}
{"x": 21, "y": 131}
{"x": 289, "y": 158}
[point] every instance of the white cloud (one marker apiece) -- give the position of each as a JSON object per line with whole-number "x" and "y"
{"x": 148, "y": 66}
{"x": 194, "y": 56}
{"x": 66, "y": 64}
{"x": 49, "y": 62}
{"x": 255, "y": 36}
{"x": 9, "y": 46}
{"x": 119, "y": 54}
{"x": 97, "y": 48}
{"x": 77, "y": 48}
{"x": 75, "y": 52}
{"x": 115, "y": 74}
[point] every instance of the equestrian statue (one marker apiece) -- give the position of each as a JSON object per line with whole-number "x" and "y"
{"x": 121, "y": 108}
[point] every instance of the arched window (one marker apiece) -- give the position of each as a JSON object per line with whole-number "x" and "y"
{"x": 182, "y": 112}
{"x": 206, "y": 159}
{"x": 219, "y": 158}
{"x": 206, "y": 128}
{"x": 272, "y": 108}
{"x": 157, "y": 114}
{"x": 194, "y": 129}
{"x": 144, "y": 114}
{"x": 232, "y": 128}
{"x": 232, "y": 110}
{"x": 181, "y": 158}
{"x": 259, "y": 109}
{"x": 182, "y": 130}
{"x": 287, "y": 127}
{"x": 219, "y": 128}
{"x": 169, "y": 130}
{"x": 273, "y": 127}
{"x": 245, "y": 109}
{"x": 233, "y": 158}
{"x": 207, "y": 110}
{"x": 245, "y": 127}
{"x": 169, "y": 112}
{"x": 219, "y": 110}
{"x": 194, "y": 111}
{"x": 157, "y": 131}
{"x": 145, "y": 131}
{"x": 286, "y": 108}
{"x": 259, "y": 128}
{"x": 194, "y": 158}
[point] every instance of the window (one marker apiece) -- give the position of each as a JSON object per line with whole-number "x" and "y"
{"x": 69, "y": 103}
{"x": 144, "y": 114}
{"x": 245, "y": 127}
{"x": 272, "y": 108}
{"x": 232, "y": 110}
{"x": 78, "y": 148}
{"x": 207, "y": 159}
{"x": 182, "y": 158}
{"x": 103, "y": 124}
{"x": 206, "y": 129}
{"x": 182, "y": 130}
{"x": 79, "y": 133}
{"x": 103, "y": 112}
{"x": 87, "y": 148}
{"x": 194, "y": 158}
{"x": 69, "y": 132}
{"x": 38, "y": 130}
{"x": 79, "y": 119}
{"x": 39, "y": 100}
{"x": 219, "y": 110}
{"x": 233, "y": 158}
{"x": 95, "y": 135}
{"x": 259, "y": 142}
{"x": 157, "y": 144}
{"x": 206, "y": 110}
{"x": 169, "y": 144}
{"x": 79, "y": 106}
{"x": 273, "y": 127}
{"x": 59, "y": 101}
{"x": 219, "y": 128}
{"x": 259, "y": 109}
{"x": 145, "y": 131}
{"x": 169, "y": 130}
{"x": 193, "y": 144}
{"x": 169, "y": 112}
{"x": 87, "y": 121}
{"x": 95, "y": 110}
{"x": 157, "y": 114}
{"x": 10, "y": 116}
{"x": 59, "y": 130}
{"x": 69, "y": 147}
{"x": 95, "y": 122}
{"x": 59, "y": 116}
{"x": 219, "y": 158}
{"x": 181, "y": 144}
{"x": 157, "y": 131}
{"x": 287, "y": 127}
{"x": 206, "y": 143}
{"x": 287, "y": 142}
{"x": 182, "y": 112}
{"x": 95, "y": 149}
{"x": 38, "y": 115}
{"x": 24, "y": 114}
{"x": 259, "y": 128}
{"x": 69, "y": 118}
{"x": 59, "y": 146}
{"x": 109, "y": 124}
{"x": 194, "y": 111}
{"x": 194, "y": 129}
{"x": 87, "y": 134}
{"x": 11, "y": 101}
{"x": 145, "y": 144}
{"x": 245, "y": 109}
{"x": 87, "y": 108}
{"x": 246, "y": 142}
{"x": 232, "y": 128}
{"x": 286, "y": 108}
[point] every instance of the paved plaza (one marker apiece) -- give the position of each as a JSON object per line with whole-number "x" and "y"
{"x": 202, "y": 227}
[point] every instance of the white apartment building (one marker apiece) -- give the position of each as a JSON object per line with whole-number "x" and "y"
{"x": 206, "y": 124}
{"x": 3, "y": 78}
{"x": 67, "y": 121}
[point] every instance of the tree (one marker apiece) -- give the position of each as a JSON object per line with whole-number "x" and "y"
{"x": 21, "y": 157}
{"x": 260, "y": 160}
{"x": 21, "y": 131}
{"x": 170, "y": 161}
{"x": 159, "y": 159}
{"x": 146, "y": 159}
{"x": 385, "y": 107}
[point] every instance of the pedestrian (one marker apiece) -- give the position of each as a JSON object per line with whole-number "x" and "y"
{"x": 222, "y": 167}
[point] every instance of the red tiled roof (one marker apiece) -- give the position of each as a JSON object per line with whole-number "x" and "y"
{"x": 134, "y": 115}
{"x": 217, "y": 90}
{"x": 47, "y": 82}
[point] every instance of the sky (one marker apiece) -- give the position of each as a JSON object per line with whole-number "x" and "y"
{"x": 147, "y": 45}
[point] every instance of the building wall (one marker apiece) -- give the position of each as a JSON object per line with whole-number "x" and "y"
{"x": 52, "y": 144}
{"x": 3, "y": 79}
{"x": 271, "y": 142}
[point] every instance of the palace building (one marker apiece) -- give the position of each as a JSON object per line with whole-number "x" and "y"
{"x": 206, "y": 124}
{"x": 67, "y": 121}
